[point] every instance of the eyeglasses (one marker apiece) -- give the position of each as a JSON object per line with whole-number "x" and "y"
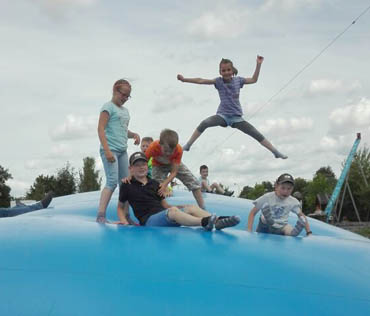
{"x": 125, "y": 95}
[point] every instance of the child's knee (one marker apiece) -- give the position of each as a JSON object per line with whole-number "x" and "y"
{"x": 287, "y": 230}
{"x": 111, "y": 185}
{"x": 172, "y": 212}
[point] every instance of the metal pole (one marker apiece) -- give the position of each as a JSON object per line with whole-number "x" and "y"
{"x": 342, "y": 177}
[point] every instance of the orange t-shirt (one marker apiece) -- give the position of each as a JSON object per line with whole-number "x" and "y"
{"x": 154, "y": 150}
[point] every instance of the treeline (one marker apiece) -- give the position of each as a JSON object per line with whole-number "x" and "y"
{"x": 65, "y": 181}
{"x": 68, "y": 181}
{"x": 324, "y": 181}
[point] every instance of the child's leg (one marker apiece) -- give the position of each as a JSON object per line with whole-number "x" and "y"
{"x": 218, "y": 188}
{"x": 111, "y": 173}
{"x": 250, "y": 130}
{"x": 199, "y": 198}
{"x": 196, "y": 211}
{"x": 214, "y": 120}
{"x": 188, "y": 179}
{"x": 183, "y": 218}
{"x": 122, "y": 166}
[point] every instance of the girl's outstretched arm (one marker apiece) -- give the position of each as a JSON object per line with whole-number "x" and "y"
{"x": 195, "y": 80}
{"x": 256, "y": 72}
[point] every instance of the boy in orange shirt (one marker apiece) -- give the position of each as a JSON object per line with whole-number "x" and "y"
{"x": 167, "y": 153}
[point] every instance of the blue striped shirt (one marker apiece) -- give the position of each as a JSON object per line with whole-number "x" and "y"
{"x": 229, "y": 96}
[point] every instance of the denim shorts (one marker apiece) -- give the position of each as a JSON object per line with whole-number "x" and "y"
{"x": 231, "y": 119}
{"x": 115, "y": 171}
{"x": 161, "y": 219}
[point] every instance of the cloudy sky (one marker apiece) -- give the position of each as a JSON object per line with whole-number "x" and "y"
{"x": 59, "y": 59}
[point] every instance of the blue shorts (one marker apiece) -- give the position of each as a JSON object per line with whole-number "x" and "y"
{"x": 231, "y": 119}
{"x": 161, "y": 219}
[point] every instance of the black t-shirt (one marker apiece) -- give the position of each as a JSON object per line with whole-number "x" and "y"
{"x": 144, "y": 199}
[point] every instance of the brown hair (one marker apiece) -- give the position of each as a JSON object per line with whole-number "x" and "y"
{"x": 228, "y": 61}
{"x": 202, "y": 167}
{"x": 169, "y": 137}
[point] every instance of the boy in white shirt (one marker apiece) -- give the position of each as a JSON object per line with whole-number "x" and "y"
{"x": 275, "y": 208}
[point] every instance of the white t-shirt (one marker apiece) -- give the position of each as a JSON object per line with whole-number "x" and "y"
{"x": 280, "y": 208}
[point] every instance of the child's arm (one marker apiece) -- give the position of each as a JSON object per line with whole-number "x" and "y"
{"x": 163, "y": 186}
{"x": 251, "y": 216}
{"x": 103, "y": 120}
{"x": 256, "y": 72}
{"x": 135, "y": 136}
{"x": 196, "y": 80}
{"x": 122, "y": 212}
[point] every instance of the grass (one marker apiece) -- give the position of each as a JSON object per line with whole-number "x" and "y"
{"x": 364, "y": 232}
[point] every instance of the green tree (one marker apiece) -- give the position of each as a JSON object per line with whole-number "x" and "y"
{"x": 40, "y": 187}
{"x": 269, "y": 187}
{"x": 360, "y": 191}
{"x": 328, "y": 173}
{"x": 244, "y": 193}
{"x": 319, "y": 184}
{"x": 4, "y": 189}
{"x": 89, "y": 178}
{"x": 65, "y": 181}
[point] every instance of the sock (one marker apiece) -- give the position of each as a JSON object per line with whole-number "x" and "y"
{"x": 278, "y": 154}
{"x": 209, "y": 222}
{"x": 186, "y": 147}
{"x": 205, "y": 221}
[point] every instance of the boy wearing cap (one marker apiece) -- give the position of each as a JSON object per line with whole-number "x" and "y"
{"x": 275, "y": 208}
{"x": 151, "y": 208}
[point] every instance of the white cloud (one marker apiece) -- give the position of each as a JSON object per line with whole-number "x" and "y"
{"x": 289, "y": 5}
{"x": 351, "y": 118}
{"x": 18, "y": 187}
{"x": 325, "y": 86}
{"x": 75, "y": 127}
{"x": 332, "y": 86}
{"x": 220, "y": 23}
{"x": 171, "y": 99}
{"x": 283, "y": 126}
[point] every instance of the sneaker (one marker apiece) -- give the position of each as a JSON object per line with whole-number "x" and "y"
{"x": 211, "y": 222}
{"x": 227, "y": 221}
{"x": 47, "y": 199}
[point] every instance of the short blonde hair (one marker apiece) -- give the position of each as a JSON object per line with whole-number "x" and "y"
{"x": 120, "y": 83}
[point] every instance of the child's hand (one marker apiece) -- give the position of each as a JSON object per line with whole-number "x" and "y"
{"x": 109, "y": 156}
{"x": 127, "y": 180}
{"x": 259, "y": 59}
{"x": 136, "y": 139}
{"x": 163, "y": 189}
{"x": 180, "y": 77}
